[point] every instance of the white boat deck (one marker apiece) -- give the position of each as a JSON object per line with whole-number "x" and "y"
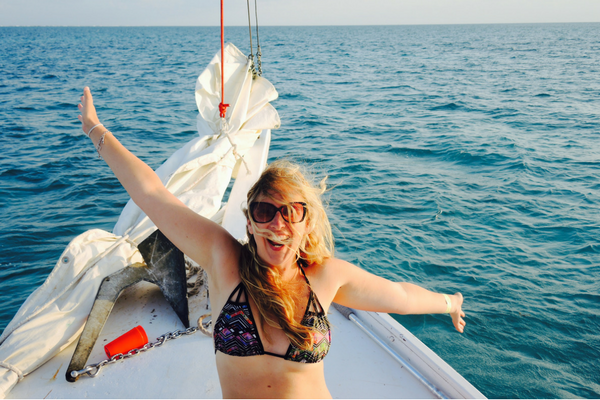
{"x": 356, "y": 367}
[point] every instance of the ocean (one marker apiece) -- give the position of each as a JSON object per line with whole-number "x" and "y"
{"x": 460, "y": 157}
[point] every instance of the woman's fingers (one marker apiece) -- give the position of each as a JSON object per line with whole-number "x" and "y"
{"x": 88, "y": 115}
{"x": 458, "y": 314}
{"x": 460, "y": 325}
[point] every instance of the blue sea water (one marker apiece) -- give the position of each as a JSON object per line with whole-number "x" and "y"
{"x": 463, "y": 158}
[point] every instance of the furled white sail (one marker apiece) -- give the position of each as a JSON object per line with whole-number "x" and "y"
{"x": 198, "y": 174}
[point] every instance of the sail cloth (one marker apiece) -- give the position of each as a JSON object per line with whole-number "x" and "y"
{"x": 198, "y": 174}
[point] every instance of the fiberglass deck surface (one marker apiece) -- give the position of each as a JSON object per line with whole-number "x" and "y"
{"x": 356, "y": 367}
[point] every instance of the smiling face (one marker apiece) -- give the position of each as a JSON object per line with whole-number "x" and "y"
{"x": 278, "y": 241}
{"x": 281, "y": 184}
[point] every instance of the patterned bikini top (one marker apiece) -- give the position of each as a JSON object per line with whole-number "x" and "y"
{"x": 235, "y": 331}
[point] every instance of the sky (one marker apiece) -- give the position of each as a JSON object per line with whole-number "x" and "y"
{"x": 293, "y": 12}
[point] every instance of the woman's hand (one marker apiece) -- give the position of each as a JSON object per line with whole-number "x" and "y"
{"x": 457, "y": 313}
{"x": 88, "y": 115}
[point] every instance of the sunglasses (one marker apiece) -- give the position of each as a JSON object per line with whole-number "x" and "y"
{"x": 265, "y": 212}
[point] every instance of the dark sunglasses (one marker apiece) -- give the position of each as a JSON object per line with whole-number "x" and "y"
{"x": 265, "y": 212}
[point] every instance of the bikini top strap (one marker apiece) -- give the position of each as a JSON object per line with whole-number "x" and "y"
{"x": 305, "y": 277}
{"x": 316, "y": 304}
{"x": 239, "y": 289}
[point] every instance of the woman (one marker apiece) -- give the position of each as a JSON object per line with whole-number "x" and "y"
{"x": 274, "y": 292}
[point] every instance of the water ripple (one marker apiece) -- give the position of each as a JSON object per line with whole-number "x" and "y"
{"x": 460, "y": 157}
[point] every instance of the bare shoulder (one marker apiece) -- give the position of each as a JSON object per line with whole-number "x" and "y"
{"x": 336, "y": 270}
{"x": 328, "y": 269}
{"x": 326, "y": 278}
{"x": 336, "y": 265}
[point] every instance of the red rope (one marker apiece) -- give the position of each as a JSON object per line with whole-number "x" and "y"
{"x": 222, "y": 106}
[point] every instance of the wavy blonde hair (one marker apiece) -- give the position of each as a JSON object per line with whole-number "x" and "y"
{"x": 273, "y": 298}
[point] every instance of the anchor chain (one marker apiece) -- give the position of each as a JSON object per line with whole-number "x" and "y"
{"x": 93, "y": 370}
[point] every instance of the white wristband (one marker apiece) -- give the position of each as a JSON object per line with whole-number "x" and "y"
{"x": 448, "y": 304}
{"x": 93, "y": 127}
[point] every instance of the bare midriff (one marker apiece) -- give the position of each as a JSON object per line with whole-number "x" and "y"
{"x": 267, "y": 376}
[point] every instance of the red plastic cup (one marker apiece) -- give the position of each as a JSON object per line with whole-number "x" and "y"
{"x": 134, "y": 339}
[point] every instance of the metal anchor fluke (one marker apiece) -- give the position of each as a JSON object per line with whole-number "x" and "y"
{"x": 165, "y": 267}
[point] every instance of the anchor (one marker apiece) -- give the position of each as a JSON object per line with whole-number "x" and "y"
{"x": 164, "y": 266}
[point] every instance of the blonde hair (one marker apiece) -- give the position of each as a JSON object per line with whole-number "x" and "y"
{"x": 273, "y": 298}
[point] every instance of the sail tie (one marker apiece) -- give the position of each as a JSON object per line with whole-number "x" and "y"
{"x": 13, "y": 369}
{"x": 224, "y": 128}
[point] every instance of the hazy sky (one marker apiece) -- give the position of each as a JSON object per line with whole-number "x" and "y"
{"x": 293, "y": 12}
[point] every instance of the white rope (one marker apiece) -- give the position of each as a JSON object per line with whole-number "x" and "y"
{"x": 13, "y": 369}
{"x": 215, "y": 165}
{"x": 225, "y": 131}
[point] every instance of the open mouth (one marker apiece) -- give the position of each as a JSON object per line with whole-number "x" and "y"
{"x": 275, "y": 245}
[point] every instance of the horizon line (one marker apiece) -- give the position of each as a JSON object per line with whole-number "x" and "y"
{"x": 283, "y": 26}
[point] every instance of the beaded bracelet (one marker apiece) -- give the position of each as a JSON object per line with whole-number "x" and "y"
{"x": 448, "y": 304}
{"x": 93, "y": 127}
{"x": 101, "y": 142}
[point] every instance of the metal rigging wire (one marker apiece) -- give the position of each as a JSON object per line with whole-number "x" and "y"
{"x": 256, "y": 68}
{"x": 258, "y": 53}
{"x": 251, "y": 56}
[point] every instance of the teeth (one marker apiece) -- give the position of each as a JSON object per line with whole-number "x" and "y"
{"x": 274, "y": 244}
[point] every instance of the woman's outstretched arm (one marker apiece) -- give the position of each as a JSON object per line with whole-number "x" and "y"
{"x": 201, "y": 239}
{"x": 362, "y": 290}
